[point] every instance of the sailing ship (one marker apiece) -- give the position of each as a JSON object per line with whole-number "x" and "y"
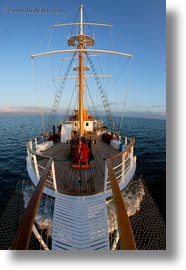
{"x": 81, "y": 162}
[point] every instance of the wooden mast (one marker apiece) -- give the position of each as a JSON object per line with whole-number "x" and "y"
{"x": 81, "y": 94}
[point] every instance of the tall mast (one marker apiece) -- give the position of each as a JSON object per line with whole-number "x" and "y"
{"x": 81, "y": 94}
{"x": 81, "y": 41}
{"x": 81, "y": 20}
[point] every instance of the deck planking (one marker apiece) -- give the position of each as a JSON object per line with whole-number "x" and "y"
{"x": 68, "y": 178}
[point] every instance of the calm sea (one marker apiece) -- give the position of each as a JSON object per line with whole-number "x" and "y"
{"x": 150, "y": 149}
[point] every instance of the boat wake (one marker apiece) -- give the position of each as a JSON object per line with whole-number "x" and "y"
{"x": 133, "y": 195}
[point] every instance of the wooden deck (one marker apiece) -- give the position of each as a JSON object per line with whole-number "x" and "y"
{"x": 68, "y": 178}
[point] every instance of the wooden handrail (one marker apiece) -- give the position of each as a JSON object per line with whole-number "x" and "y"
{"x": 127, "y": 241}
{"x": 23, "y": 234}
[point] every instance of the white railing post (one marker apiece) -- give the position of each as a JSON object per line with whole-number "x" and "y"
{"x": 116, "y": 239}
{"x": 123, "y": 164}
{"x": 28, "y": 153}
{"x": 54, "y": 176}
{"x": 36, "y": 167}
{"x": 30, "y": 144}
{"x": 132, "y": 155}
{"x": 125, "y": 140}
{"x": 36, "y": 143}
{"x": 105, "y": 176}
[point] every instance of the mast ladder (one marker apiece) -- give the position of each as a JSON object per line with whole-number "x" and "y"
{"x": 110, "y": 118}
{"x": 58, "y": 97}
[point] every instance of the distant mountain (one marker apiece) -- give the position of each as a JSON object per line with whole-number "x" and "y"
{"x": 30, "y": 110}
{"x": 13, "y": 110}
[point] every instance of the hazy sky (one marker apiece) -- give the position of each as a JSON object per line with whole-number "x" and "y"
{"x": 140, "y": 28}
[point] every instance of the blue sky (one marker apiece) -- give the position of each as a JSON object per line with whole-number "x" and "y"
{"x": 139, "y": 28}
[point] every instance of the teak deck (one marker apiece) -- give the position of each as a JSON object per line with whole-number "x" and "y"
{"x": 67, "y": 178}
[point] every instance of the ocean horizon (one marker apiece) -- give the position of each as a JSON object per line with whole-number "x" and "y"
{"x": 150, "y": 149}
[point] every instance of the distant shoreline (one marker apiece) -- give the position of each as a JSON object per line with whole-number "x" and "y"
{"x": 32, "y": 113}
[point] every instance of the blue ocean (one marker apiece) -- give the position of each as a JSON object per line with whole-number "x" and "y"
{"x": 150, "y": 149}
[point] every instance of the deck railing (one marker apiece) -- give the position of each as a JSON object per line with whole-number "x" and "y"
{"x": 34, "y": 157}
{"x": 116, "y": 169}
{"x": 124, "y": 231}
{"x": 125, "y": 236}
{"x": 121, "y": 163}
{"x": 22, "y": 238}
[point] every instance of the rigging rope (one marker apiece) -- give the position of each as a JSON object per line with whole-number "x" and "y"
{"x": 58, "y": 96}
{"x": 126, "y": 95}
{"x": 68, "y": 14}
{"x": 70, "y": 103}
{"x": 95, "y": 113}
{"x": 111, "y": 121}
